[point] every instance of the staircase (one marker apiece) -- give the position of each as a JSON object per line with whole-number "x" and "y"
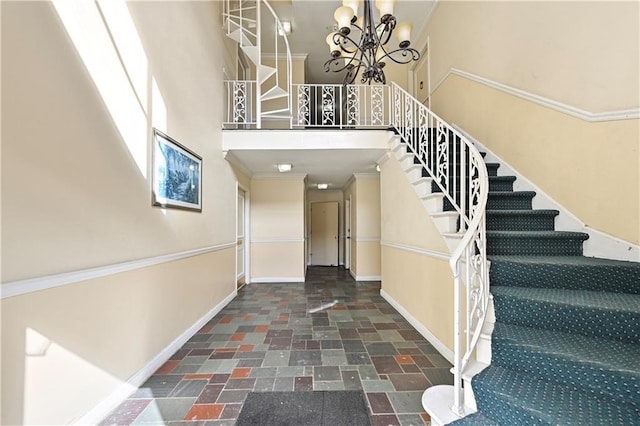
{"x": 271, "y": 85}
{"x": 565, "y": 345}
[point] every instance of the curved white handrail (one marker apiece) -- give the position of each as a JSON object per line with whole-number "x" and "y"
{"x": 459, "y": 171}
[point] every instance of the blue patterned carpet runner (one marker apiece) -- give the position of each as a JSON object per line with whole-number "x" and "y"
{"x": 566, "y": 343}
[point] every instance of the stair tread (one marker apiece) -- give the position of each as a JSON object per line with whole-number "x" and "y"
{"x": 629, "y": 303}
{"x": 568, "y": 260}
{"x": 605, "y": 315}
{"x": 537, "y": 401}
{"x": 538, "y": 234}
{"x": 570, "y": 272}
{"x": 598, "y": 367}
{"x": 604, "y": 353}
{"x": 524, "y": 212}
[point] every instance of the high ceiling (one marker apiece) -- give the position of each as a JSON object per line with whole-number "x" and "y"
{"x": 312, "y": 20}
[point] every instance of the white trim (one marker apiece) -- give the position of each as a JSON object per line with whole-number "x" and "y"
{"x": 294, "y": 56}
{"x": 441, "y": 347}
{"x": 383, "y": 159}
{"x": 17, "y": 288}
{"x": 368, "y": 278}
{"x": 366, "y": 176}
{"x": 122, "y": 392}
{"x": 599, "y": 244}
{"x": 277, "y": 279}
{"x": 592, "y": 117}
{"x": 364, "y": 277}
{"x": 417, "y": 250}
{"x": 367, "y": 239}
{"x": 275, "y": 241}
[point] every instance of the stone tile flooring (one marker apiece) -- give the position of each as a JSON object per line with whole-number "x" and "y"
{"x": 265, "y": 340}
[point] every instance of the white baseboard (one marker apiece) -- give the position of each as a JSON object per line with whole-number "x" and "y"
{"x": 122, "y": 392}
{"x": 256, "y": 280}
{"x": 441, "y": 347}
{"x": 599, "y": 244}
{"x": 364, "y": 277}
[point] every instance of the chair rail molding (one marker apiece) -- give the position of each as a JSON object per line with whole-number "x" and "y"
{"x": 17, "y": 288}
{"x": 591, "y": 117}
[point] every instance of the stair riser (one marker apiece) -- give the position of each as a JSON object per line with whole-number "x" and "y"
{"x": 570, "y": 277}
{"x": 511, "y": 202}
{"x": 592, "y": 322}
{"x": 492, "y": 169}
{"x": 576, "y": 375}
{"x": 494, "y": 185}
{"x": 520, "y": 223}
{"x": 533, "y": 246}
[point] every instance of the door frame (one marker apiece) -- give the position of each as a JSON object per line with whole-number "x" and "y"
{"x": 311, "y": 228}
{"x": 347, "y": 233}
{"x": 424, "y": 55}
{"x": 247, "y": 233}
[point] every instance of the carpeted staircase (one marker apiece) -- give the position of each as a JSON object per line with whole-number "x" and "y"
{"x": 566, "y": 342}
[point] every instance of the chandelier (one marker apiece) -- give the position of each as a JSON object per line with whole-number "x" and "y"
{"x": 373, "y": 48}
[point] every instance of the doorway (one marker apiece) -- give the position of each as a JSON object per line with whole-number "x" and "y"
{"x": 324, "y": 233}
{"x": 421, "y": 78}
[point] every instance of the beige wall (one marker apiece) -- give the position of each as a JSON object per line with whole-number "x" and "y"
{"x": 277, "y": 228}
{"x": 99, "y": 333}
{"x": 76, "y": 194}
{"x": 364, "y": 192}
{"x": 582, "y": 54}
{"x": 416, "y": 275}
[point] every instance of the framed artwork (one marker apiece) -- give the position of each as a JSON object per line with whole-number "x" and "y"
{"x": 177, "y": 174}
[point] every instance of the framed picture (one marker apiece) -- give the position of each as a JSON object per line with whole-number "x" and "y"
{"x": 177, "y": 174}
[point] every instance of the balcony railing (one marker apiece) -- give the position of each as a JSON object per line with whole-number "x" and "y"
{"x": 314, "y": 106}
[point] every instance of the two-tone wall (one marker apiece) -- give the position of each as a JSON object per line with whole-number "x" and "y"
{"x": 99, "y": 287}
{"x": 416, "y": 278}
{"x": 552, "y": 88}
{"x": 277, "y": 229}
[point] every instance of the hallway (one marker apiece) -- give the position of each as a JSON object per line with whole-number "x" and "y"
{"x": 265, "y": 341}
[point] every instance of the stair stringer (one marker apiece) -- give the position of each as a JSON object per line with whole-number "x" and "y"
{"x": 432, "y": 201}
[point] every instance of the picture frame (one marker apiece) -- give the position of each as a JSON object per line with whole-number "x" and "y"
{"x": 176, "y": 174}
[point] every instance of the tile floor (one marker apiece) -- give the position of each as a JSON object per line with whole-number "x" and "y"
{"x": 265, "y": 341}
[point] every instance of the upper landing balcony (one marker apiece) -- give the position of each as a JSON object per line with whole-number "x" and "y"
{"x": 327, "y": 125}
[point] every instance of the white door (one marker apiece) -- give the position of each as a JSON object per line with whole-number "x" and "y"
{"x": 324, "y": 233}
{"x": 240, "y": 239}
{"x": 421, "y": 78}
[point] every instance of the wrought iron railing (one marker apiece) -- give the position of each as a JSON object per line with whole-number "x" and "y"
{"x": 316, "y": 105}
{"x": 458, "y": 169}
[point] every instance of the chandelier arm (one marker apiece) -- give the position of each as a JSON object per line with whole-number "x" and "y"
{"x": 388, "y": 31}
{"x": 338, "y": 67}
{"x": 413, "y": 55}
